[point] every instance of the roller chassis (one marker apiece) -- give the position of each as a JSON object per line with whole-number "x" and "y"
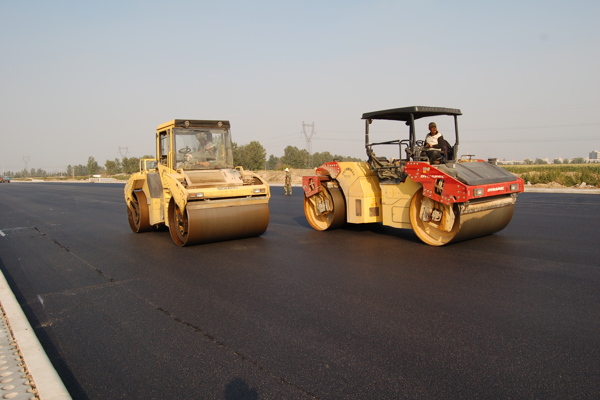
{"x": 446, "y": 202}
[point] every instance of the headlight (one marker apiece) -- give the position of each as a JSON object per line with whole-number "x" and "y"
{"x": 263, "y": 190}
{"x": 478, "y": 192}
{"x": 197, "y": 195}
{"x": 514, "y": 187}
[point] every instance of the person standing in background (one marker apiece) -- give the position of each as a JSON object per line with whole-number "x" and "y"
{"x": 287, "y": 188}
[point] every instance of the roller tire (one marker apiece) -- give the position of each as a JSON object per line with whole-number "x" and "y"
{"x": 138, "y": 214}
{"x": 178, "y": 224}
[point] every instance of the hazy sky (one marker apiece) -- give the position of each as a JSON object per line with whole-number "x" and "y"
{"x": 95, "y": 78}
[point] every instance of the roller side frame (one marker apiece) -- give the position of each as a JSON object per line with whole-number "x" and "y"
{"x": 446, "y": 189}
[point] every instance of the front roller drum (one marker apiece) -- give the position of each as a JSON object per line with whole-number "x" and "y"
{"x": 326, "y": 209}
{"x": 204, "y": 225}
{"x": 460, "y": 226}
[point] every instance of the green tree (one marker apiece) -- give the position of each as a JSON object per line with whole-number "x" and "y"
{"x": 319, "y": 159}
{"x": 540, "y": 161}
{"x": 92, "y": 166}
{"x": 578, "y": 160}
{"x": 527, "y": 161}
{"x": 130, "y": 165}
{"x": 557, "y": 161}
{"x": 80, "y": 170}
{"x": 251, "y": 156}
{"x": 295, "y": 158}
{"x": 255, "y": 156}
{"x": 273, "y": 162}
{"x": 112, "y": 167}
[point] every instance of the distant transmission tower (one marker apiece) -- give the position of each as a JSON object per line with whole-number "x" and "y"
{"x": 123, "y": 150}
{"x": 308, "y": 138}
{"x": 26, "y": 161}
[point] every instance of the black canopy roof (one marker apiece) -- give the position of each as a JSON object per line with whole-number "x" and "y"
{"x": 403, "y": 114}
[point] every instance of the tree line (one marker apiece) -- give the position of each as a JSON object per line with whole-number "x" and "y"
{"x": 251, "y": 156}
{"x": 127, "y": 165}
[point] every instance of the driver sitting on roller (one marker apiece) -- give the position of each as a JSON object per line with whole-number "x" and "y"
{"x": 205, "y": 152}
{"x": 435, "y": 145}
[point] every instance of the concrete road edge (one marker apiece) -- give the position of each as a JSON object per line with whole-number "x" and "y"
{"x": 48, "y": 384}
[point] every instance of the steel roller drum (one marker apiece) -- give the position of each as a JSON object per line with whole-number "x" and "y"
{"x": 483, "y": 223}
{"x": 205, "y": 225}
{"x": 478, "y": 220}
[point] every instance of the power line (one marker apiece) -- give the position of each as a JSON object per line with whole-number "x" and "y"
{"x": 527, "y": 127}
{"x": 534, "y": 109}
{"x": 569, "y": 139}
{"x": 340, "y": 140}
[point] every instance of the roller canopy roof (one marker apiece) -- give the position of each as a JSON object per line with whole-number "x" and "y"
{"x": 194, "y": 123}
{"x": 403, "y": 114}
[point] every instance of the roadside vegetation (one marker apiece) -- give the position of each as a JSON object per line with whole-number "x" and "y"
{"x": 564, "y": 174}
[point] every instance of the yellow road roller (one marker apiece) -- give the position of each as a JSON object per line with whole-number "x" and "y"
{"x": 193, "y": 188}
{"x": 413, "y": 184}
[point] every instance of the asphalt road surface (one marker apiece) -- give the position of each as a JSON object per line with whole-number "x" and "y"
{"x": 365, "y": 312}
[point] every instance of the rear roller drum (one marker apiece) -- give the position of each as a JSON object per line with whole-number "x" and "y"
{"x": 138, "y": 214}
{"x": 326, "y": 209}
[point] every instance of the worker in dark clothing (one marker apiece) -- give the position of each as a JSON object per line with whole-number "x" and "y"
{"x": 436, "y": 146}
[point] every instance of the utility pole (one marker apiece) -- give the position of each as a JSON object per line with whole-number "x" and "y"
{"x": 26, "y": 161}
{"x": 308, "y": 138}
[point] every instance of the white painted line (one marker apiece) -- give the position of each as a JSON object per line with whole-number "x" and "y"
{"x": 2, "y": 234}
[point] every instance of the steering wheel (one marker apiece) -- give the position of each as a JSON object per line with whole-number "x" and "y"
{"x": 420, "y": 143}
{"x": 185, "y": 150}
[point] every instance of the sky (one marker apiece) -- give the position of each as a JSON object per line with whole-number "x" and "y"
{"x": 82, "y": 79}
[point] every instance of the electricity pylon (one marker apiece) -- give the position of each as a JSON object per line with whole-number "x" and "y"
{"x": 308, "y": 138}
